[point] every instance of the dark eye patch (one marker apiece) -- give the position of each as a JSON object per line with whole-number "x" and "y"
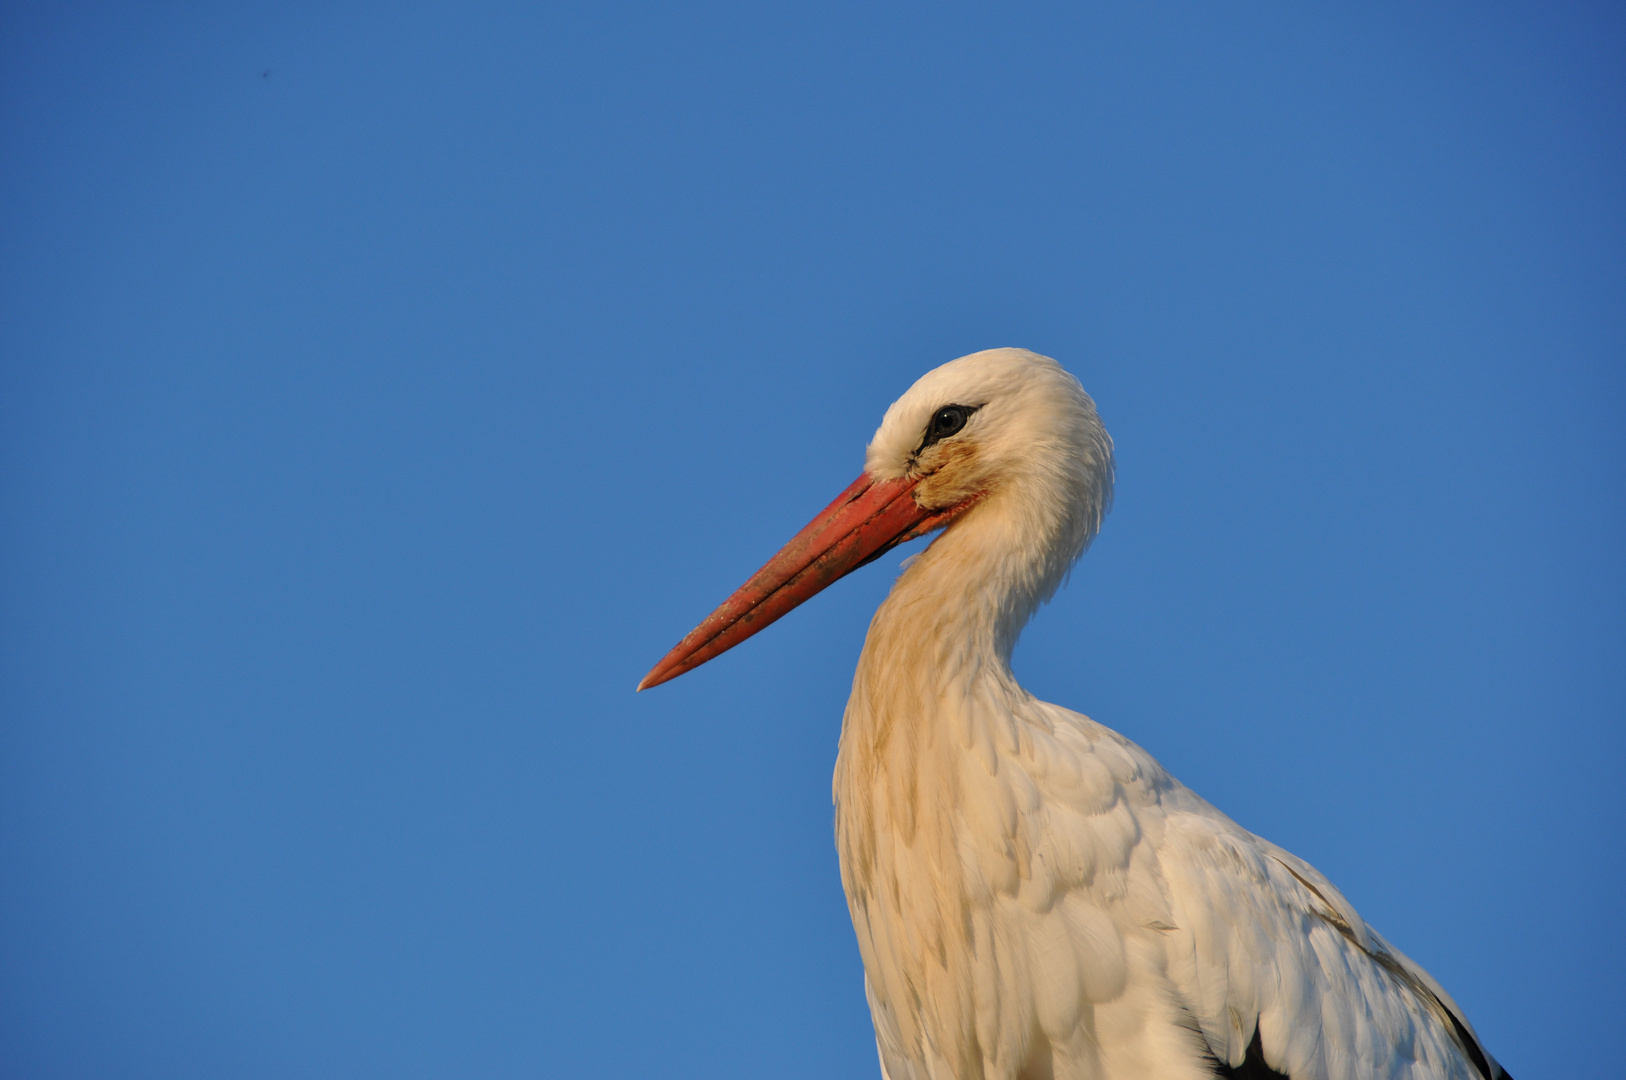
{"x": 946, "y": 422}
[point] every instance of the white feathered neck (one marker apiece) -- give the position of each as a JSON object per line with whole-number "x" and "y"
{"x": 934, "y": 690}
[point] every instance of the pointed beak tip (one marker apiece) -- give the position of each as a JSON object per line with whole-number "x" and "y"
{"x": 868, "y": 518}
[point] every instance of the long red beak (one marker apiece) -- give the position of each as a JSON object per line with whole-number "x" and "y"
{"x": 867, "y": 520}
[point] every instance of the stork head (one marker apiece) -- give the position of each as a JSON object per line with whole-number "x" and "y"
{"x": 1004, "y": 438}
{"x": 1005, "y": 422}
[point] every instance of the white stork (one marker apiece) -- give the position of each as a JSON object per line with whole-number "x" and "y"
{"x": 1035, "y": 898}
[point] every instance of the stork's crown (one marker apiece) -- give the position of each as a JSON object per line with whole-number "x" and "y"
{"x": 1004, "y": 422}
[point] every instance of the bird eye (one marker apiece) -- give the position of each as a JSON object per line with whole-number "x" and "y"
{"x": 947, "y": 421}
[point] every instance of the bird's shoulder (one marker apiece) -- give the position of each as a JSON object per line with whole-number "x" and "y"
{"x": 1262, "y": 951}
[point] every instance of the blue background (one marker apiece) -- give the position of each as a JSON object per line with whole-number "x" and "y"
{"x": 385, "y": 389}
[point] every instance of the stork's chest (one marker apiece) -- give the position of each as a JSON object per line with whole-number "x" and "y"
{"x": 1020, "y": 801}
{"x": 995, "y": 882}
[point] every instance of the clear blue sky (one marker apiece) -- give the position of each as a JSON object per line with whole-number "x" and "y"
{"x": 384, "y": 389}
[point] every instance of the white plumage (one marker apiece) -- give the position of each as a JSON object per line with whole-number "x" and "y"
{"x": 1034, "y": 897}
